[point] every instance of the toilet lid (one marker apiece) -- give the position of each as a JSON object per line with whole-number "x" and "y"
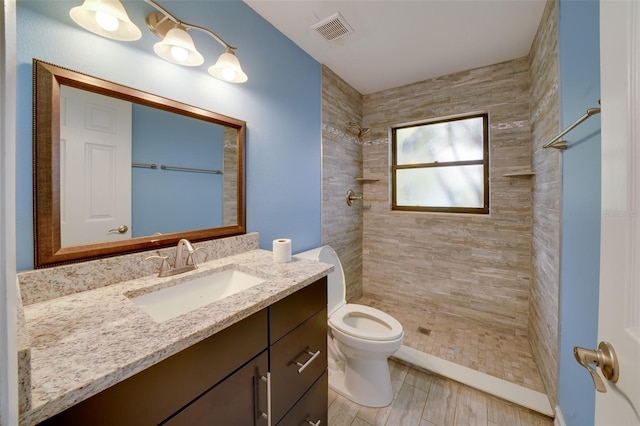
{"x": 365, "y": 322}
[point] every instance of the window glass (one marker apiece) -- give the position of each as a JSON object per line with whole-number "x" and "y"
{"x": 442, "y": 166}
{"x": 458, "y": 186}
{"x": 458, "y": 140}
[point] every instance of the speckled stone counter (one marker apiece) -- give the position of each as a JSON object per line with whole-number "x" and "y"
{"x": 84, "y": 342}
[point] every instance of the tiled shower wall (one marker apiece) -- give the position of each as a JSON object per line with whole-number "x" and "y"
{"x": 472, "y": 266}
{"x": 545, "y": 124}
{"x": 341, "y": 165}
{"x": 502, "y": 270}
{"x": 230, "y": 177}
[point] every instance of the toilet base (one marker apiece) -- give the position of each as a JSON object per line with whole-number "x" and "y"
{"x": 365, "y": 382}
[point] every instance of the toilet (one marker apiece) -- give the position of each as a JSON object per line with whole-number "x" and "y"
{"x": 359, "y": 340}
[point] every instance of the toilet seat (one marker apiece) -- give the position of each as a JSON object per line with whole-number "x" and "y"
{"x": 365, "y": 322}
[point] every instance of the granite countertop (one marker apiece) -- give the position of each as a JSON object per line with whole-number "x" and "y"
{"x": 85, "y": 342}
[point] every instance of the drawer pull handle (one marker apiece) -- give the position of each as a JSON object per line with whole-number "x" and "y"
{"x": 312, "y": 423}
{"x": 306, "y": 364}
{"x": 267, "y": 415}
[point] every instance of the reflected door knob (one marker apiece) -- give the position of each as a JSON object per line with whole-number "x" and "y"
{"x": 603, "y": 357}
{"x": 122, "y": 229}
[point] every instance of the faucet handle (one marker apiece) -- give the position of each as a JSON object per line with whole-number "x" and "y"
{"x": 191, "y": 256}
{"x": 164, "y": 266}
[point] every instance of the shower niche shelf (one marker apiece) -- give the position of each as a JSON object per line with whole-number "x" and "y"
{"x": 366, "y": 180}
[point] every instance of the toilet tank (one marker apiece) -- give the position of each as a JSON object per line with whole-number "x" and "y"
{"x": 335, "y": 280}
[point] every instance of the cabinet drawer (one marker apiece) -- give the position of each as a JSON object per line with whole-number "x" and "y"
{"x": 289, "y": 312}
{"x": 237, "y": 401}
{"x": 312, "y": 407}
{"x": 288, "y": 379}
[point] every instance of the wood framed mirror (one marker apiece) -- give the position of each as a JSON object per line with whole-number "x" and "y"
{"x": 166, "y": 188}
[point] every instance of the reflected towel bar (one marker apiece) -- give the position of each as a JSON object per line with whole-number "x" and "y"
{"x": 190, "y": 169}
{"x": 557, "y": 143}
{"x": 176, "y": 168}
{"x": 145, "y": 165}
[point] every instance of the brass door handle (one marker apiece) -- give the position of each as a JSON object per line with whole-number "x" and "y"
{"x": 603, "y": 357}
{"x": 122, "y": 229}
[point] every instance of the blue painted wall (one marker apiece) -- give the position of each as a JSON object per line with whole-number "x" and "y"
{"x": 579, "y": 41}
{"x": 187, "y": 200}
{"x": 280, "y": 103}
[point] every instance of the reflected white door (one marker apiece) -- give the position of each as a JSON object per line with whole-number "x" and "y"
{"x": 95, "y": 167}
{"x": 619, "y": 312}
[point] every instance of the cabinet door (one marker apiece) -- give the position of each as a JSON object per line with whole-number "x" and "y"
{"x": 156, "y": 393}
{"x": 239, "y": 400}
{"x": 312, "y": 408}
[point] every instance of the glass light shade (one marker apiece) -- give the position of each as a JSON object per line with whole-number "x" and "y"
{"x": 177, "y": 47}
{"x": 107, "y": 18}
{"x": 228, "y": 68}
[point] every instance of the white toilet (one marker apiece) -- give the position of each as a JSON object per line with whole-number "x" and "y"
{"x": 359, "y": 341}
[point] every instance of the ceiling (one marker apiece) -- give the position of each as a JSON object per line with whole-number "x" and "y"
{"x": 397, "y": 42}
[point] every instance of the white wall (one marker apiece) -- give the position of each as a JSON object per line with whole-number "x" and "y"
{"x": 8, "y": 347}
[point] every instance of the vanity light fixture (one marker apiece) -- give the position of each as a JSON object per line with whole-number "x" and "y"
{"x": 177, "y": 46}
{"x": 107, "y": 18}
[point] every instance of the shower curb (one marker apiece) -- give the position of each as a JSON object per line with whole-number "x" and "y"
{"x": 503, "y": 389}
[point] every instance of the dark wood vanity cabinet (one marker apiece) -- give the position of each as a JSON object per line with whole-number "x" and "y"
{"x": 223, "y": 379}
{"x": 160, "y": 391}
{"x": 312, "y": 407}
{"x": 239, "y": 400}
{"x": 298, "y": 349}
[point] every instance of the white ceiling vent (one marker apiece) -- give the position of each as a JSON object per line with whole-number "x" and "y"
{"x": 333, "y": 27}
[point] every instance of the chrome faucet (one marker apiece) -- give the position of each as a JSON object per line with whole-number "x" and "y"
{"x": 180, "y": 262}
{"x": 184, "y": 262}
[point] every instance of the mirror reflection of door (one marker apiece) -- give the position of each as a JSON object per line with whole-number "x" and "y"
{"x": 95, "y": 167}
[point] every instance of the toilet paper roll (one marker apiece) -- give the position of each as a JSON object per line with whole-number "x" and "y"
{"x": 282, "y": 250}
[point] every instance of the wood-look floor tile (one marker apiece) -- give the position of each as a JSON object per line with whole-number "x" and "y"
{"x": 441, "y": 402}
{"x": 501, "y": 413}
{"x": 408, "y": 406}
{"x": 471, "y": 408}
{"x": 419, "y": 379}
{"x": 425, "y": 399}
{"x": 529, "y": 418}
{"x": 359, "y": 422}
{"x": 375, "y": 416}
{"x": 342, "y": 411}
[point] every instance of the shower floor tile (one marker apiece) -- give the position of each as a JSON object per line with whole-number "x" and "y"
{"x": 493, "y": 352}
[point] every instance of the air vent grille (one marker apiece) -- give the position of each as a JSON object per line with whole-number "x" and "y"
{"x": 333, "y": 27}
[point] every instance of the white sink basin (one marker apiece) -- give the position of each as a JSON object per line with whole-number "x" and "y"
{"x": 181, "y": 298}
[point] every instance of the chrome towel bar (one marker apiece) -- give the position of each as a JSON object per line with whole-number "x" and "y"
{"x": 557, "y": 142}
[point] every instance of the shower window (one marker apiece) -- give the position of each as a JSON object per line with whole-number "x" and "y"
{"x": 442, "y": 166}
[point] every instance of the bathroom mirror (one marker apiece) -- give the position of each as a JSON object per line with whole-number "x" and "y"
{"x": 157, "y": 176}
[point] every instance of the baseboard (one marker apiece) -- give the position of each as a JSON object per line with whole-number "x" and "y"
{"x": 559, "y": 420}
{"x": 503, "y": 389}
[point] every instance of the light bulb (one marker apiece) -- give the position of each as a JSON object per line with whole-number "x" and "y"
{"x": 178, "y": 53}
{"x": 107, "y": 22}
{"x": 228, "y": 74}
{"x": 227, "y": 68}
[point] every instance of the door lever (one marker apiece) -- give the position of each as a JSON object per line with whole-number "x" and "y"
{"x": 122, "y": 229}
{"x": 603, "y": 357}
